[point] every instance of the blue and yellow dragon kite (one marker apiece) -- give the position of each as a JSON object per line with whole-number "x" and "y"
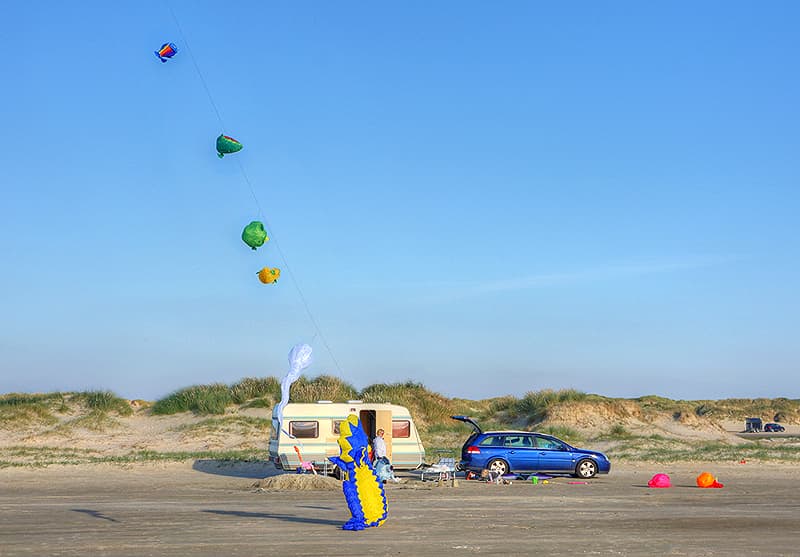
{"x": 363, "y": 491}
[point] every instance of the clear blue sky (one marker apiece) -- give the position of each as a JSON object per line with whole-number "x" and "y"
{"x": 489, "y": 198}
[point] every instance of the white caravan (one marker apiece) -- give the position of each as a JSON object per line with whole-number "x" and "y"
{"x": 314, "y": 429}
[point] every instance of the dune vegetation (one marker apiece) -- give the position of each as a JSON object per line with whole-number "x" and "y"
{"x": 232, "y": 421}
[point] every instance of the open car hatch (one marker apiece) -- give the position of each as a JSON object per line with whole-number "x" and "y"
{"x": 470, "y": 421}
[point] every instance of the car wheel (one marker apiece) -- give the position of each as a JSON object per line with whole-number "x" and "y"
{"x": 586, "y": 468}
{"x": 498, "y": 466}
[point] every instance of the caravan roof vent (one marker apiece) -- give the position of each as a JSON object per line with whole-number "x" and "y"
{"x": 324, "y": 402}
{"x": 355, "y": 401}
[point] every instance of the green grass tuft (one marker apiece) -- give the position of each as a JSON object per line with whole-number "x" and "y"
{"x": 104, "y": 401}
{"x": 427, "y": 407}
{"x": 22, "y": 399}
{"x": 324, "y": 387}
{"x": 535, "y": 404}
{"x": 28, "y": 414}
{"x": 200, "y": 399}
{"x": 251, "y": 388}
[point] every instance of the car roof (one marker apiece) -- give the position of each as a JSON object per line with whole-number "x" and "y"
{"x": 512, "y": 432}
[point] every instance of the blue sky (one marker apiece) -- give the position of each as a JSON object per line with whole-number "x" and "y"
{"x": 489, "y": 198}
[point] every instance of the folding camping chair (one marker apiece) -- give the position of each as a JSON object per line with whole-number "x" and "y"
{"x": 443, "y": 470}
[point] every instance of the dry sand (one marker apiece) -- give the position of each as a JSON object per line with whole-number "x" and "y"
{"x": 206, "y": 509}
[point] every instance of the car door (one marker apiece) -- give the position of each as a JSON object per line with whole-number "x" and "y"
{"x": 554, "y": 456}
{"x": 521, "y": 452}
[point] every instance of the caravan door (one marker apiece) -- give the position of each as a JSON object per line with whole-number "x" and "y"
{"x": 383, "y": 420}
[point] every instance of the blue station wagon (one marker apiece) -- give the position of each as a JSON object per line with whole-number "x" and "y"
{"x": 525, "y": 452}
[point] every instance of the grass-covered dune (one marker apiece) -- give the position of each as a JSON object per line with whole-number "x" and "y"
{"x": 232, "y": 421}
{"x": 432, "y": 410}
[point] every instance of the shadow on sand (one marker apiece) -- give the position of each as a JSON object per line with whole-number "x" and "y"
{"x": 255, "y": 470}
{"x": 95, "y": 514}
{"x": 286, "y": 517}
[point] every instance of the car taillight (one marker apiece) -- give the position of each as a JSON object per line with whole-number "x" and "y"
{"x": 473, "y": 450}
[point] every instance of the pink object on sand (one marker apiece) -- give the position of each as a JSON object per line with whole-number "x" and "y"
{"x": 659, "y": 480}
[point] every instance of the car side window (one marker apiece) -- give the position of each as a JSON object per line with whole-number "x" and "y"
{"x": 518, "y": 441}
{"x": 492, "y": 441}
{"x": 545, "y": 443}
{"x": 527, "y": 441}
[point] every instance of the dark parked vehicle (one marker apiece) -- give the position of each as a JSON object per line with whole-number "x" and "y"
{"x": 526, "y": 451}
{"x": 774, "y": 428}
{"x": 752, "y": 425}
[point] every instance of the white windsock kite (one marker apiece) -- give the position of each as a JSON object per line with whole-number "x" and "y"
{"x": 299, "y": 359}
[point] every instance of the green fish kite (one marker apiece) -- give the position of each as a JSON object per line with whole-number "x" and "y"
{"x": 227, "y": 145}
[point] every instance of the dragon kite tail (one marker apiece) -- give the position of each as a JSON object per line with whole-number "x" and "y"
{"x": 363, "y": 491}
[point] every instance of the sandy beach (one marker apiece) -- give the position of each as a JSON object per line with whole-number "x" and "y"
{"x": 206, "y": 508}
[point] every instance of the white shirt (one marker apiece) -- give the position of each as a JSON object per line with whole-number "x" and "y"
{"x": 379, "y": 447}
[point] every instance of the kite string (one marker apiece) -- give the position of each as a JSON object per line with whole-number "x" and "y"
{"x": 196, "y": 66}
{"x": 289, "y": 271}
{"x": 318, "y": 330}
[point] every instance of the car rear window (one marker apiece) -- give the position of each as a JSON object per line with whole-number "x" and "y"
{"x": 492, "y": 441}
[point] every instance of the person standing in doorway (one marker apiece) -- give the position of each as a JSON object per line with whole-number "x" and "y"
{"x": 379, "y": 446}
{"x": 383, "y": 468}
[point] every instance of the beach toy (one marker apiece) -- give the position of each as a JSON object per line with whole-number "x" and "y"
{"x": 659, "y": 480}
{"x": 304, "y": 465}
{"x": 534, "y": 480}
{"x": 707, "y": 480}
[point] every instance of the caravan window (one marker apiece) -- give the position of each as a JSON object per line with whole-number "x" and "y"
{"x": 401, "y": 428}
{"x": 335, "y": 425}
{"x": 304, "y": 430}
